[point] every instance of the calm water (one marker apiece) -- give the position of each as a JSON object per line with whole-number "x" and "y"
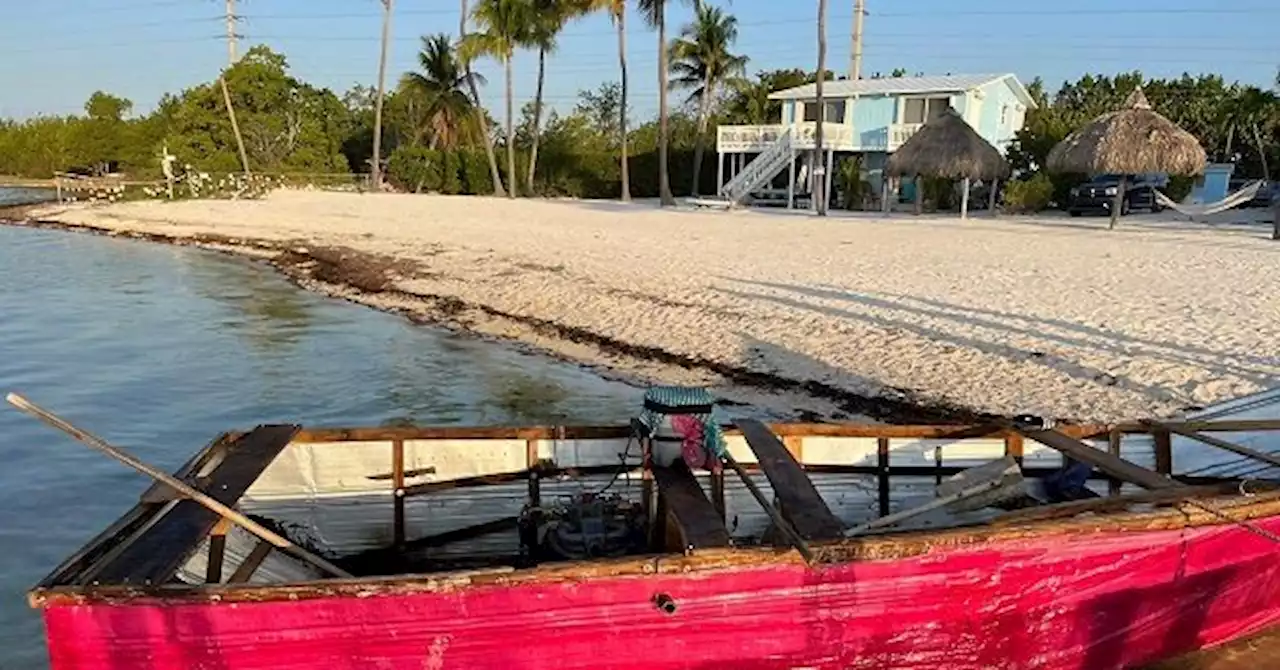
{"x": 22, "y": 196}
{"x": 159, "y": 349}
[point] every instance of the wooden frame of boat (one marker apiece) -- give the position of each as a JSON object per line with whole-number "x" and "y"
{"x": 141, "y": 558}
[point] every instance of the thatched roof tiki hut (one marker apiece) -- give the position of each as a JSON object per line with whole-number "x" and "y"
{"x": 1130, "y": 141}
{"x": 949, "y": 147}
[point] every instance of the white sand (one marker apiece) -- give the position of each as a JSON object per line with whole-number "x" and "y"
{"x": 1049, "y": 316}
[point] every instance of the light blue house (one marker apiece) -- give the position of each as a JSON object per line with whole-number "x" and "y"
{"x": 870, "y": 117}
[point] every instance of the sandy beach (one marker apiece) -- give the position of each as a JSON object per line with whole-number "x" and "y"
{"x": 896, "y": 319}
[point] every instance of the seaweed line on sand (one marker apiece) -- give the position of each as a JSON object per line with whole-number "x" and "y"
{"x": 361, "y": 277}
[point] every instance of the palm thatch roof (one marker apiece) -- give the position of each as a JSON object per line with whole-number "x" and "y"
{"x": 948, "y": 147}
{"x": 1132, "y": 140}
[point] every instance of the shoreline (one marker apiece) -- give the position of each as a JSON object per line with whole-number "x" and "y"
{"x": 900, "y": 319}
{"x": 368, "y": 280}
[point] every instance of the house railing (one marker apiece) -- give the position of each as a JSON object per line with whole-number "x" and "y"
{"x": 899, "y": 133}
{"x": 756, "y": 139}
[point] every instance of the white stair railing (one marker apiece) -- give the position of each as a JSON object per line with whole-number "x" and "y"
{"x": 758, "y": 172}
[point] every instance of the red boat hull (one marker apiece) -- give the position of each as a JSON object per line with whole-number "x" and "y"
{"x": 1058, "y": 602}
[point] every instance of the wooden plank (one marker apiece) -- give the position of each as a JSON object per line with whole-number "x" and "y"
{"x": 1113, "y": 447}
{"x": 700, "y": 524}
{"x": 72, "y": 569}
{"x": 803, "y": 506}
{"x": 217, "y": 552}
{"x": 1212, "y": 441}
{"x": 882, "y": 474}
{"x": 1112, "y": 504}
{"x": 1163, "y": 451}
{"x": 1111, "y": 465}
{"x": 157, "y": 553}
{"x": 251, "y": 563}
{"x": 159, "y": 493}
{"x": 948, "y": 431}
{"x": 1013, "y": 446}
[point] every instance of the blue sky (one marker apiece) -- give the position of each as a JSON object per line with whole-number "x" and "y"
{"x": 54, "y": 53}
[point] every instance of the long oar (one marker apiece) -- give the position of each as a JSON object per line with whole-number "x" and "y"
{"x": 182, "y": 487}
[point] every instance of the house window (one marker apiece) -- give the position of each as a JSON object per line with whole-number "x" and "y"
{"x": 835, "y": 111}
{"x": 1004, "y": 115}
{"x": 923, "y": 110}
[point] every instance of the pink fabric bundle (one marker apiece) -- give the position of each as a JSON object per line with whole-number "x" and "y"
{"x": 693, "y": 449}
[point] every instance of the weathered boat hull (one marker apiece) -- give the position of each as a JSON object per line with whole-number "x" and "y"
{"x": 1055, "y": 601}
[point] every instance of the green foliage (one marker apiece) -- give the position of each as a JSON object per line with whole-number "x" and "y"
{"x": 450, "y": 173}
{"x": 416, "y": 169}
{"x": 1179, "y": 187}
{"x": 849, "y": 182}
{"x": 1030, "y": 195}
{"x": 474, "y": 170}
{"x": 1234, "y": 122}
{"x": 749, "y": 102}
{"x": 939, "y": 193}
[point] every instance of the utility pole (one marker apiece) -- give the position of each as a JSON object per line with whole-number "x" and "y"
{"x": 855, "y": 59}
{"x": 231, "y": 32}
{"x": 387, "y": 6}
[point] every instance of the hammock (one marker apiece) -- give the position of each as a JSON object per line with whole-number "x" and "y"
{"x": 1234, "y": 200}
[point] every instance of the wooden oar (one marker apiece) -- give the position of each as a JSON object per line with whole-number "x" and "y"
{"x": 182, "y": 487}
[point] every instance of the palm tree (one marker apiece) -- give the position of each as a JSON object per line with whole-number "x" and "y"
{"x": 549, "y": 18}
{"x": 820, "y": 186}
{"x": 655, "y": 15}
{"x": 618, "y": 13}
{"x": 441, "y": 83}
{"x": 504, "y": 26}
{"x": 701, "y": 61}
{"x": 382, "y": 93}
{"x": 482, "y": 119}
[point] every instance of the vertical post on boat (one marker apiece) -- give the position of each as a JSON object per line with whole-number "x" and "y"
{"x": 217, "y": 552}
{"x": 1164, "y": 451}
{"x": 1014, "y": 447}
{"x": 717, "y": 493}
{"x": 57, "y": 184}
{"x": 791, "y": 180}
{"x": 1113, "y": 447}
{"x": 397, "y": 484}
{"x": 964, "y": 199}
{"x": 882, "y": 473}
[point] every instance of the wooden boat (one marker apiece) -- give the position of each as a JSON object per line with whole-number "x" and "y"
{"x": 446, "y": 530}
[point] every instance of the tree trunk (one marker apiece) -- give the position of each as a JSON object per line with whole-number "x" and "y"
{"x": 664, "y": 135}
{"x": 1262, "y": 152}
{"x": 512, "y": 180}
{"x": 699, "y": 143}
{"x": 382, "y": 91}
{"x": 820, "y": 183}
{"x": 481, "y": 119}
{"x": 1118, "y": 204}
{"x": 622, "y": 121}
{"x": 1231, "y": 134}
{"x": 537, "y": 118}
